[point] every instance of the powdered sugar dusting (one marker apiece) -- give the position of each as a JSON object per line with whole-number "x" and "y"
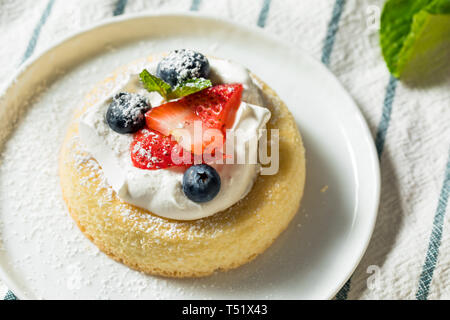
{"x": 130, "y": 107}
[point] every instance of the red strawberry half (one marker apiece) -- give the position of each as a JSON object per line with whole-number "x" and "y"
{"x": 212, "y": 108}
{"x": 152, "y": 150}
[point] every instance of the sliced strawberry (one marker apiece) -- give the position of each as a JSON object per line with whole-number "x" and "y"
{"x": 217, "y": 105}
{"x": 152, "y": 150}
{"x": 212, "y": 108}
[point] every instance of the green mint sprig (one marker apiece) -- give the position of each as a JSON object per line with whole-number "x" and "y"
{"x": 155, "y": 84}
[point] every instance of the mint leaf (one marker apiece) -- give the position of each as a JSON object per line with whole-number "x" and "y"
{"x": 189, "y": 87}
{"x": 413, "y": 32}
{"x": 153, "y": 83}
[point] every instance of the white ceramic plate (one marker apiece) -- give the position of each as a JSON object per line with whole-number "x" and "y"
{"x": 45, "y": 256}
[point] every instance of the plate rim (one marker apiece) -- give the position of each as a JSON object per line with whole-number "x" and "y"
{"x": 374, "y": 165}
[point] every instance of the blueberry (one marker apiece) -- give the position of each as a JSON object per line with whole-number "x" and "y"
{"x": 181, "y": 65}
{"x": 126, "y": 112}
{"x": 201, "y": 183}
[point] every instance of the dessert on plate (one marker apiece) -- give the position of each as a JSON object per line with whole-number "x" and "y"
{"x": 181, "y": 164}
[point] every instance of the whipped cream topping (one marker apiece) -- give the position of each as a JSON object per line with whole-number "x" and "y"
{"x": 160, "y": 191}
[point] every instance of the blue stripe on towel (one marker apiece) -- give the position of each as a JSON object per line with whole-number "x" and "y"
{"x": 386, "y": 115}
{"x": 195, "y": 5}
{"x": 333, "y": 27}
{"x": 262, "y": 18}
{"x": 435, "y": 239}
{"x": 120, "y": 7}
{"x": 37, "y": 30}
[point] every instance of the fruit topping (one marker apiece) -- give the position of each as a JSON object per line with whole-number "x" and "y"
{"x": 182, "y": 65}
{"x": 152, "y": 150}
{"x": 201, "y": 183}
{"x": 174, "y": 119}
{"x": 211, "y": 108}
{"x": 126, "y": 112}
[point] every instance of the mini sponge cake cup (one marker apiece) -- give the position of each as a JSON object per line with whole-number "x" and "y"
{"x": 155, "y": 245}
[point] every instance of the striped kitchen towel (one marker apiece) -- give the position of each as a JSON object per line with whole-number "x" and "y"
{"x": 409, "y": 254}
